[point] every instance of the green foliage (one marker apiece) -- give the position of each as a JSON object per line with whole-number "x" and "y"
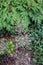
{"x": 36, "y": 29}
{"x": 36, "y": 37}
{"x": 9, "y": 48}
{"x": 36, "y": 11}
{"x": 7, "y": 16}
{"x": 19, "y": 11}
{"x": 12, "y": 12}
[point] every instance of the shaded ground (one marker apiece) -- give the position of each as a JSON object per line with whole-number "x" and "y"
{"x": 20, "y": 56}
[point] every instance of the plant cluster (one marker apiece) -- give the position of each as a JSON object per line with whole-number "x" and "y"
{"x": 36, "y": 30}
{"x": 12, "y": 12}
{"x": 19, "y": 11}
{"x": 36, "y": 36}
{"x": 8, "y": 48}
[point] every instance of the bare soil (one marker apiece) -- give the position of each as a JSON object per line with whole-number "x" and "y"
{"x": 20, "y": 56}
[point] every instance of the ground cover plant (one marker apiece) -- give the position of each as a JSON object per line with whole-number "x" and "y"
{"x": 19, "y": 11}
{"x": 36, "y": 32}
{"x": 37, "y": 42}
{"x": 6, "y": 48}
{"x": 12, "y": 12}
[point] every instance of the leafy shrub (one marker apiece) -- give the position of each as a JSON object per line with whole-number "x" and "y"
{"x": 19, "y": 12}
{"x": 12, "y": 12}
{"x": 36, "y": 11}
{"x": 6, "y": 48}
{"x": 37, "y": 42}
{"x": 6, "y": 16}
{"x": 36, "y": 29}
